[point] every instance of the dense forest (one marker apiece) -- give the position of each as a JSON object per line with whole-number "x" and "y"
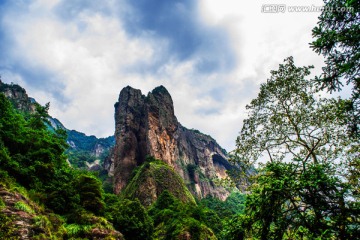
{"x": 300, "y": 143}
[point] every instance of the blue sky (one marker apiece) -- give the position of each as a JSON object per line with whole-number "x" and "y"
{"x": 211, "y": 55}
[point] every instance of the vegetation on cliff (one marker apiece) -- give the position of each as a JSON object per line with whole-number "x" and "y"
{"x": 151, "y": 179}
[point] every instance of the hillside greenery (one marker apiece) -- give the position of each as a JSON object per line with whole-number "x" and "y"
{"x": 151, "y": 179}
{"x": 66, "y": 202}
{"x": 33, "y": 164}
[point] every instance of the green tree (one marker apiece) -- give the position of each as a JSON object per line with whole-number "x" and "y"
{"x": 40, "y": 117}
{"x": 234, "y": 227}
{"x": 166, "y": 200}
{"x": 174, "y": 219}
{"x": 35, "y": 156}
{"x": 131, "y": 218}
{"x": 285, "y": 204}
{"x": 288, "y": 120}
{"x": 337, "y": 38}
{"x": 91, "y": 193}
{"x": 296, "y": 133}
{"x": 218, "y": 206}
{"x": 234, "y": 204}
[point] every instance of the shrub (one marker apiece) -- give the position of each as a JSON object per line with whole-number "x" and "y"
{"x": 24, "y": 207}
{"x": 131, "y": 218}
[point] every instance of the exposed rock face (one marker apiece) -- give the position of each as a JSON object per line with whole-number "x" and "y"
{"x": 18, "y": 97}
{"x": 19, "y": 223}
{"x": 146, "y": 125}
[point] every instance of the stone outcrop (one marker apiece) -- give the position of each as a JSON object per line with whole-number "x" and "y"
{"x": 18, "y": 97}
{"x": 146, "y": 125}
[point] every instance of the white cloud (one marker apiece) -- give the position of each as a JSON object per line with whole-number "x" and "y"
{"x": 93, "y": 57}
{"x": 89, "y": 63}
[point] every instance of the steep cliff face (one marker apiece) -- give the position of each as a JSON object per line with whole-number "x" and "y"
{"x": 146, "y": 125}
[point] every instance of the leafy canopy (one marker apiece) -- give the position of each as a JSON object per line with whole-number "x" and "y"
{"x": 288, "y": 122}
{"x": 337, "y": 38}
{"x": 301, "y": 189}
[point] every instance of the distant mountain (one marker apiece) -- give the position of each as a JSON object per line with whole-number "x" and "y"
{"x": 92, "y": 144}
{"x": 83, "y": 149}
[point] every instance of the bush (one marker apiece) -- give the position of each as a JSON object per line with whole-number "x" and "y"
{"x": 91, "y": 193}
{"x": 131, "y": 218}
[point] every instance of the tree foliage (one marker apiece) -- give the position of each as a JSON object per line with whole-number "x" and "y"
{"x": 34, "y": 156}
{"x": 233, "y": 205}
{"x": 302, "y": 189}
{"x": 287, "y": 120}
{"x": 337, "y": 38}
{"x": 286, "y": 205}
{"x": 174, "y": 219}
{"x": 91, "y": 193}
{"x": 131, "y": 218}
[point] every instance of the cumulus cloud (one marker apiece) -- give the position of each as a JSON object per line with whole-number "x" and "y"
{"x": 211, "y": 56}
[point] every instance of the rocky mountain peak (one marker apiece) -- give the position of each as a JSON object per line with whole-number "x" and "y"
{"x": 147, "y": 125}
{"x": 161, "y": 94}
{"x": 130, "y": 95}
{"x": 161, "y": 107}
